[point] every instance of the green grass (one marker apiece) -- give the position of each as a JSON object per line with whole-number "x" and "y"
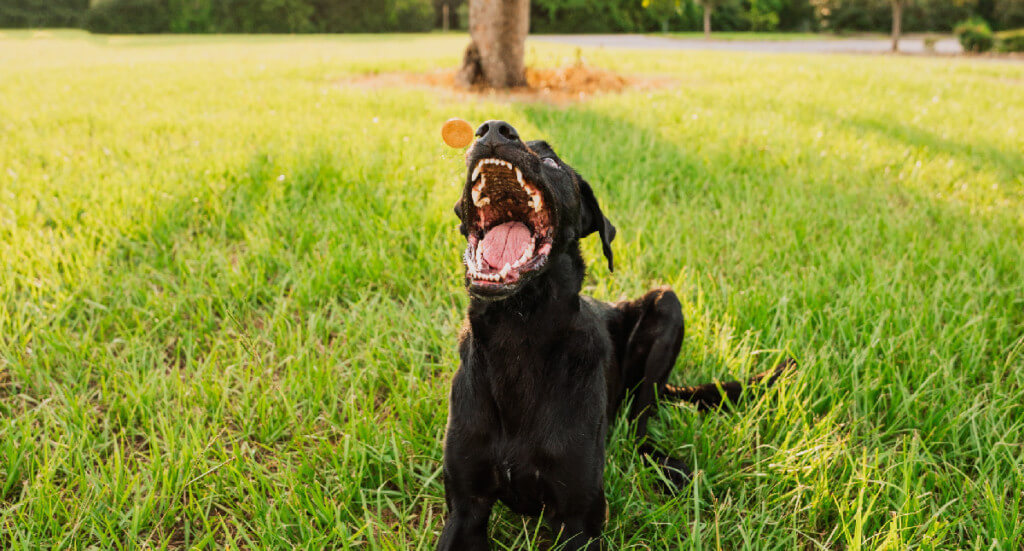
{"x": 230, "y": 292}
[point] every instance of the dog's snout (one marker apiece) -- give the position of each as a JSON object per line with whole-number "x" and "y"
{"x": 494, "y": 133}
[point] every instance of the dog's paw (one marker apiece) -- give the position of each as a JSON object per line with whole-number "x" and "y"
{"x": 674, "y": 475}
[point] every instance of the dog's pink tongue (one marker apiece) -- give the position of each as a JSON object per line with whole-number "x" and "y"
{"x": 504, "y": 244}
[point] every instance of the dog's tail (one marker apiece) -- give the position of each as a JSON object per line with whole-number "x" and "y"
{"x": 719, "y": 395}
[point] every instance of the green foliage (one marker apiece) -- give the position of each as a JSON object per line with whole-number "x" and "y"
{"x": 16, "y": 14}
{"x": 128, "y": 16}
{"x": 581, "y": 16}
{"x": 378, "y": 16}
{"x": 1010, "y": 41}
{"x": 265, "y": 16}
{"x": 192, "y": 16}
{"x": 261, "y": 16}
{"x": 463, "y": 13}
{"x": 975, "y": 35}
{"x": 329, "y": 16}
{"x": 764, "y": 14}
{"x": 1008, "y": 14}
{"x": 876, "y": 15}
{"x": 663, "y": 11}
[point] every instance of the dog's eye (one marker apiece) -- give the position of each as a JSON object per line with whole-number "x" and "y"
{"x": 550, "y": 162}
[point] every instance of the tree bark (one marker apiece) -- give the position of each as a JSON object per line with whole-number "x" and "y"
{"x": 497, "y": 30}
{"x": 897, "y": 24}
{"x": 707, "y": 20}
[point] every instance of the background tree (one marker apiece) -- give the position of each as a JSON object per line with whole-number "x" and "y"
{"x": 879, "y": 15}
{"x": 709, "y": 7}
{"x": 662, "y": 10}
{"x": 897, "y": 23}
{"x": 497, "y": 48}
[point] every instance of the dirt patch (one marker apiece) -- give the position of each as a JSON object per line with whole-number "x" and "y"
{"x": 572, "y": 83}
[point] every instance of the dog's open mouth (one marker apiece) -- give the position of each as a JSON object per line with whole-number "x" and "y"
{"x": 511, "y": 233}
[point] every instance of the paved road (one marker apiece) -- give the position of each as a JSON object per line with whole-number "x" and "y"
{"x": 837, "y": 45}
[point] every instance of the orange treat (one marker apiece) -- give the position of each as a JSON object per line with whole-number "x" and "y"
{"x": 457, "y": 133}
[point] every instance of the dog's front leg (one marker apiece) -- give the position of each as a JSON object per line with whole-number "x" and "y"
{"x": 581, "y": 530}
{"x": 466, "y": 527}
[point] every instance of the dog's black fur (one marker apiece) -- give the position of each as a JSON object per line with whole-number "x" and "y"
{"x": 544, "y": 370}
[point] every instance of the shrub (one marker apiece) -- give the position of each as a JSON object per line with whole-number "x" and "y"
{"x": 975, "y": 35}
{"x": 764, "y": 14}
{"x": 189, "y": 16}
{"x": 1010, "y": 41}
{"x": 1008, "y": 14}
{"x": 929, "y": 44}
{"x": 128, "y": 16}
{"x": 411, "y": 15}
{"x": 15, "y": 14}
{"x": 359, "y": 16}
{"x": 264, "y": 16}
{"x": 876, "y": 15}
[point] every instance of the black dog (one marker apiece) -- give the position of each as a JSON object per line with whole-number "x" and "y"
{"x": 544, "y": 369}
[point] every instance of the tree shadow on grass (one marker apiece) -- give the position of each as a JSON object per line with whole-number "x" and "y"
{"x": 851, "y": 276}
{"x": 263, "y": 343}
{"x": 975, "y": 153}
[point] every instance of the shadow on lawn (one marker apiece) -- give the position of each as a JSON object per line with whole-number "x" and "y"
{"x": 762, "y": 255}
{"x": 291, "y": 319}
{"x": 1009, "y": 164}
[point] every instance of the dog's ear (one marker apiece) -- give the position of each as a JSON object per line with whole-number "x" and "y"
{"x": 595, "y": 221}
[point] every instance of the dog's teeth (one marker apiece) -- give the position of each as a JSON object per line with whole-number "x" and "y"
{"x": 478, "y": 200}
{"x": 478, "y": 190}
{"x": 525, "y": 256}
{"x": 504, "y": 271}
{"x": 519, "y": 177}
{"x": 476, "y": 171}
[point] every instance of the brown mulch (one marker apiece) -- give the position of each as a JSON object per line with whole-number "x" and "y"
{"x": 567, "y": 84}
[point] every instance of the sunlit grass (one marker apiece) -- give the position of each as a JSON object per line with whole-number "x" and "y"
{"x": 230, "y": 292}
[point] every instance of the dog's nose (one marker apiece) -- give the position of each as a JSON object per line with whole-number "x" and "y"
{"x": 495, "y": 133}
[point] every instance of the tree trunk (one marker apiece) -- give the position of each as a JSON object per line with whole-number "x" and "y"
{"x": 707, "y": 20}
{"x": 897, "y": 24}
{"x": 497, "y": 30}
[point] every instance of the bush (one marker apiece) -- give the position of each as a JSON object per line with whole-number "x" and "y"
{"x": 1008, "y": 14}
{"x": 20, "y": 14}
{"x": 876, "y": 15}
{"x": 1010, "y": 41}
{"x": 929, "y": 44}
{"x": 189, "y": 16}
{"x": 128, "y": 16}
{"x": 576, "y": 16}
{"x": 411, "y": 15}
{"x": 359, "y": 16}
{"x": 264, "y": 16}
{"x": 975, "y": 35}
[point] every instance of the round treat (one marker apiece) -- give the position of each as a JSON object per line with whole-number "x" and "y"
{"x": 457, "y": 133}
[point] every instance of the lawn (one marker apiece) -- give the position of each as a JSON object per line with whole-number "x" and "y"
{"x": 230, "y": 290}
